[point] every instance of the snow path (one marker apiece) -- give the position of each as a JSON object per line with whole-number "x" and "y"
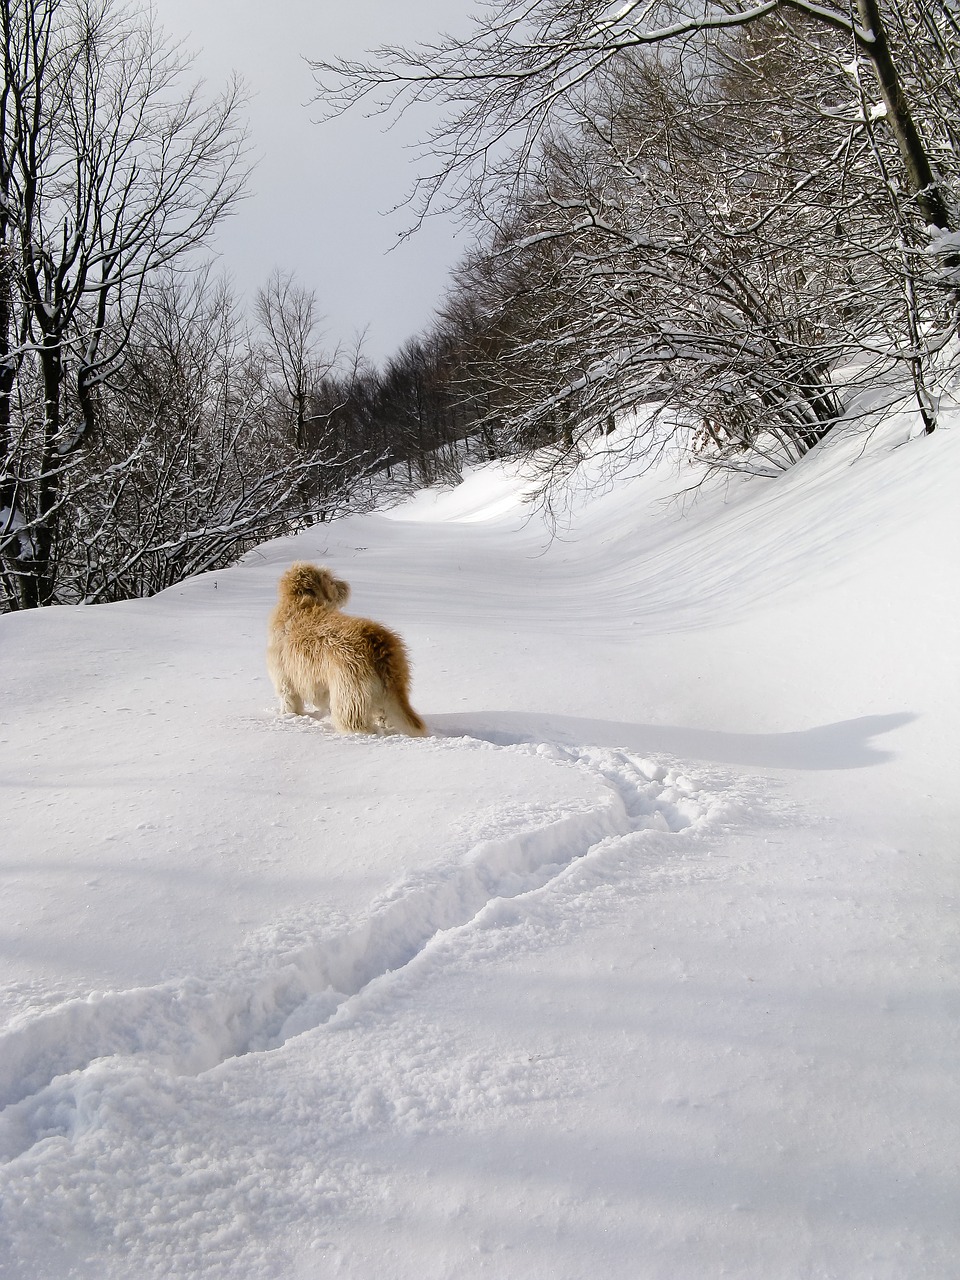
{"x": 643, "y": 965}
{"x": 186, "y": 1027}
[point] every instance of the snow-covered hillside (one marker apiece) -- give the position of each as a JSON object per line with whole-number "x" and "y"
{"x": 643, "y": 964}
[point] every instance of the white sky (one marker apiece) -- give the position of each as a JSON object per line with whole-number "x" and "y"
{"x": 321, "y": 194}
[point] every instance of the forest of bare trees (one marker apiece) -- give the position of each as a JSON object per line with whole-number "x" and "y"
{"x": 742, "y": 217}
{"x": 151, "y": 425}
{"x": 718, "y": 227}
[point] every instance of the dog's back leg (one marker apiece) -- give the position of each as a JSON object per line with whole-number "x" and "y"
{"x": 321, "y": 699}
{"x": 351, "y": 705}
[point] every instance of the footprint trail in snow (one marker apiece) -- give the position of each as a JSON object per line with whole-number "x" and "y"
{"x": 188, "y": 1027}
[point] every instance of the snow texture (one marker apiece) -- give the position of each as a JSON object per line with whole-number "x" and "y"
{"x": 643, "y": 964}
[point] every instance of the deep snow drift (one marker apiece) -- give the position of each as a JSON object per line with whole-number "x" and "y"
{"x": 643, "y": 964}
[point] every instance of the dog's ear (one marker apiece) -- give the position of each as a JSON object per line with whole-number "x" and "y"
{"x": 335, "y": 590}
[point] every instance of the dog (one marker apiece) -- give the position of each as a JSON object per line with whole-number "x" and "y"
{"x": 355, "y": 669}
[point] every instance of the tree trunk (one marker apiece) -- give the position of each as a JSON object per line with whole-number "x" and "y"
{"x": 40, "y": 580}
{"x": 920, "y": 177}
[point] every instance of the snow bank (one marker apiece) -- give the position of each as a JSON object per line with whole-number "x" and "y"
{"x": 643, "y": 963}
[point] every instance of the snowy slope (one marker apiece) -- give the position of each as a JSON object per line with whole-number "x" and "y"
{"x": 643, "y": 964}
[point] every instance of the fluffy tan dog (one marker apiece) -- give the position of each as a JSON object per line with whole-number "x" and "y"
{"x": 355, "y": 668}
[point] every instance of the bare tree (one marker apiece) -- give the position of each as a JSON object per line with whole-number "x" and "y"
{"x": 288, "y": 316}
{"x": 524, "y": 62}
{"x": 114, "y": 166}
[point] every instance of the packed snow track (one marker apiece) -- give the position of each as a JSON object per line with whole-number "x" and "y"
{"x": 188, "y": 1027}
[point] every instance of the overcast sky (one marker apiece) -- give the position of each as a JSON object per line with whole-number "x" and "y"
{"x": 321, "y": 194}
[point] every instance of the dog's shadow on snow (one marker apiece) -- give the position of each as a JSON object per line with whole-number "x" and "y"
{"x": 848, "y": 744}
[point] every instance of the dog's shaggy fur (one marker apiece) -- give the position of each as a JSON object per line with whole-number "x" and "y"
{"x": 354, "y": 668}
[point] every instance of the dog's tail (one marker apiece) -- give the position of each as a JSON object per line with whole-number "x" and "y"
{"x": 403, "y": 715}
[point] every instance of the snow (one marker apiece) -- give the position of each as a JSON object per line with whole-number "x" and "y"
{"x": 643, "y": 964}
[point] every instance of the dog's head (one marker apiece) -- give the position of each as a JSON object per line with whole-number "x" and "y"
{"x": 312, "y": 586}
